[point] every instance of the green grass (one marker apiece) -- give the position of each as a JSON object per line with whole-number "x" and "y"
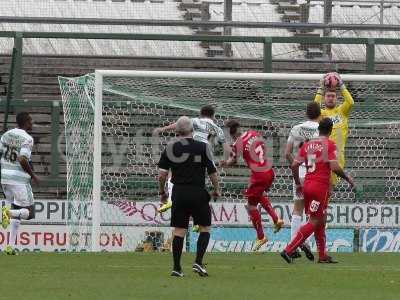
{"x": 233, "y": 276}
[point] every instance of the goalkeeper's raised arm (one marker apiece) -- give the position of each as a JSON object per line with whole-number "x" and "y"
{"x": 339, "y": 114}
{"x": 327, "y": 92}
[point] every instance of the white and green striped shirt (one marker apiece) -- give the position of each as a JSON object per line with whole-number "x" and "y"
{"x": 13, "y": 144}
{"x": 206, "y": 131}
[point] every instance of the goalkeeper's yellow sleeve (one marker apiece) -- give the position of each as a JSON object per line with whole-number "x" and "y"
{"x": 348, "y": 102}
{"x": 319, "y": 96}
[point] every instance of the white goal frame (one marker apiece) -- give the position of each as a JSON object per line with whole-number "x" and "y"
{"x": 98, "y": 129}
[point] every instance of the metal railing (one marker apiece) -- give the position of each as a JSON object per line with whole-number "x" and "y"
{"x": 189, "y": 23}
{"x": 267, "y": 43}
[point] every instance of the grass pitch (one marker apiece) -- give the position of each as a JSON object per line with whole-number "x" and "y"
{"x": 54, "y": 276}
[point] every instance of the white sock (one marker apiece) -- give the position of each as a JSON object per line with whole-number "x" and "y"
{"x": 22, "y": 213}
{"x": 14, "y": 223}
{"x": 295, "y": 225}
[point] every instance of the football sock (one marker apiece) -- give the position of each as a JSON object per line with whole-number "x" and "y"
{"x": 177, "y": 246}
{"x": 266, "y": 204}
{"x": 301, "y": 235}
{"x": 309, "y": 239}
{"x": 295, "y": 225}
{"x": 320, "y": 238}
{"x": 255, "y": 217}
{"x": 14, "y": 231}
{"x": 202, "y": 244}
{"x": 22, "y": 213}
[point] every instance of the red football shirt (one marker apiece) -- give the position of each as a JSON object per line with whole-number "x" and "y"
{"x": 317, "y": 153}
{"x": 251, "y": 146}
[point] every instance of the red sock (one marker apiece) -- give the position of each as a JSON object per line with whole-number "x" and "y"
{"x": 256, "y": 220}
{"x": 320, "y": 238}
{"x": 266, "y": 204}
{"x": 304, "y": 232}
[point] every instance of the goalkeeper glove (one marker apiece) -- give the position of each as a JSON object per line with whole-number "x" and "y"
{"x": 341, "y": 83}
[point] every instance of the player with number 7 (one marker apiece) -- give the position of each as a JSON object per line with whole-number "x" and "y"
{"x": 251, "y": 145}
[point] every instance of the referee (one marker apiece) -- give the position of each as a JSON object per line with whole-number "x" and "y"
{"x": 188, "y": 161}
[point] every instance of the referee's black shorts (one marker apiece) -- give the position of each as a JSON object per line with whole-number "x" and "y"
{"x": 190, "y": 201}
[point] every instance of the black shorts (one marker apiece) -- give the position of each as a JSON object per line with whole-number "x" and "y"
{"x": 189, "y": 201}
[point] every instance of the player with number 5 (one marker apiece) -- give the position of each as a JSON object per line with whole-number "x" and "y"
{"x": 251, "y": 146}
{"x": 298, "y": 135}
{"x": 320, "y": 158}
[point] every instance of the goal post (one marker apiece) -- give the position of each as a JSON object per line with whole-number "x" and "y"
{"x": 242, "y": 75}
{"x": 97, "y": 146}
{"x": 128, "y": 105}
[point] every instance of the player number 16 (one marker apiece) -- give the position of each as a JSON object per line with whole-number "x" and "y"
{"x": 10, "y": 154}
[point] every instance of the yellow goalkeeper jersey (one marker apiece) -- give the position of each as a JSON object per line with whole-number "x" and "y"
{"x": 340, "y": 118}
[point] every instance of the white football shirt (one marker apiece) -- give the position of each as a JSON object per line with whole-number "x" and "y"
{"x": 301, "y": 133}
{"x": 206, "y": 131}
{"x": 13, "y": 144}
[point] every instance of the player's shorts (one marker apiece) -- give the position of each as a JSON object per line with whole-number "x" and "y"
{"x": 190, "y": 201}
{"x": 302, "y": 175}
{"x": 30, "y": 208}
{"x": 259, "y": 183}
{"x": 316, "y": 196}
{"x": 20, "y": 195}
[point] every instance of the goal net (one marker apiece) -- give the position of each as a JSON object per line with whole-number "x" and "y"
{"x": 112, "y": 153}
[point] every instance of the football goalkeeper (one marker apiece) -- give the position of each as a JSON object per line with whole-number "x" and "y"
{"x": 339, "y": 114}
